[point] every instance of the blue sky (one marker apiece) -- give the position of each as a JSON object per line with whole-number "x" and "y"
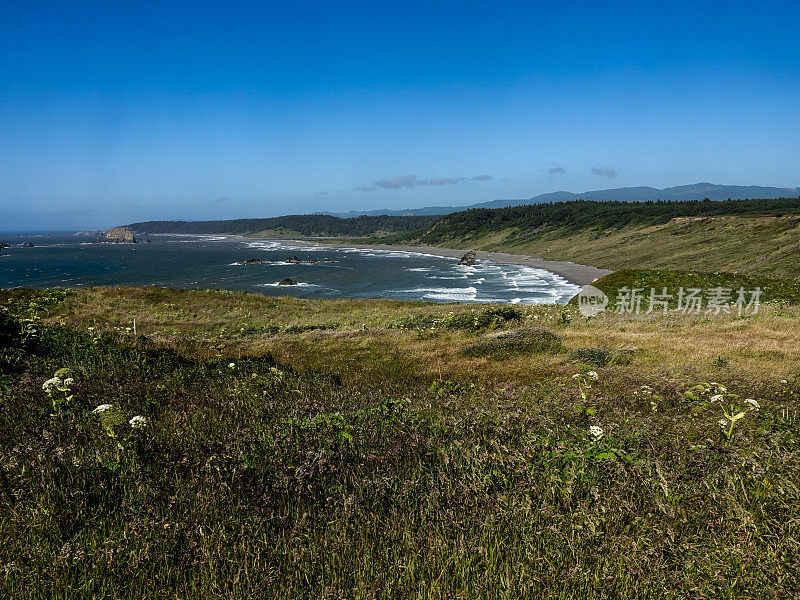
{"x": 114, "y": 112}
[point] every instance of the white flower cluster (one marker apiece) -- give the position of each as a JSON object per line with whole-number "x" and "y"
{"x": 53, "y": 382}
{"x": 752, "y": 404}
{"x": 102, "y": 408}
{"x": 596, "y": 432}
{"x": 137, "y": 422}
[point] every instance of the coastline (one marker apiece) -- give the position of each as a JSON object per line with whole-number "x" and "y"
{"x": 573, "y": 272}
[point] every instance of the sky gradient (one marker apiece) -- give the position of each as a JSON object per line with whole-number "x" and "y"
{"x": 112, "y": 113}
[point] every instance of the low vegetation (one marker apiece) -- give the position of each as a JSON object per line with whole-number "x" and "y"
{"x": 239, "y": 446}
{"x": 292, "y": 226}
{"x": 757, "y": 237}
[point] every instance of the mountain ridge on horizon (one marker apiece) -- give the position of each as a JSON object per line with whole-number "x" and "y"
{"x": 695, "y": 191}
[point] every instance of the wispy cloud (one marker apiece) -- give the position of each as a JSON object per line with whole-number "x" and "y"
{"x": 609, "y": 172}
{"x": 395, "y": 183}
{"x": 409, "y": 181}
{"x": 443, "y": 180}
{"x": 552, "y": 168}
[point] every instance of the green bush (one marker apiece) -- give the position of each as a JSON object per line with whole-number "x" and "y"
{"x": 515, "y": 342}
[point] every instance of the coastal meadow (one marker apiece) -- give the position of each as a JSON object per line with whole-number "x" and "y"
{"x": 239, "y": 446}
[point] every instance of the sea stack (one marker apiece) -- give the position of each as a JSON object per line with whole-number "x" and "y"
{"x": 468, "y": 259}
{"x": 120, "y": 235}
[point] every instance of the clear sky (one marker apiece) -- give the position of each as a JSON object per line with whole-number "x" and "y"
{"x": 114, "y": 112}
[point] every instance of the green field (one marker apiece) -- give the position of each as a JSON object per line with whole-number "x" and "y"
{"x": 376, "y": 449}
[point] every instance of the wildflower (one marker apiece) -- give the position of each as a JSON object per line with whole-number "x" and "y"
{"x": 137, "y": 422}
{"x": 723, "y": 423}
{"x": 653, "y": 406}
{"x": 752, "y": 404}
{"x": 596, "y": 432}
{"x": 716, "y": 398}
{"x": 52, "y": 382}
{"x": 592, "y": 375}
{"x": 576, "y": 376}
{"x": 784, "y": 382}
{"x": 102, "y": 408}
{"x": 69, "y": 381}
{"x": 231, "y": 365}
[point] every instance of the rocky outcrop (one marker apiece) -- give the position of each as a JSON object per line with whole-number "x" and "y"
{"x": 295, "y": 260}
{"x": 252, "y": 261}
{"x": 119, "y": 235}
{"x": 287, "y": 281}
{"x": 468, "y": 259}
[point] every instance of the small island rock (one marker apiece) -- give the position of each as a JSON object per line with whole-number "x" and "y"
{"x": 287, "y": 281}
{"x": 252, "y": 261}
{"x": 120, "y": 235}
{"x": 468, "y": 259}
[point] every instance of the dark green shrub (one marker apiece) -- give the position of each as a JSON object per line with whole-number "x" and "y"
{"x": 596, "y": 357}
{"x": 515, "y": 342}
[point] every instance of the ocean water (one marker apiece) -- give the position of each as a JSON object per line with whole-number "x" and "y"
{"x": 70, "y": 260}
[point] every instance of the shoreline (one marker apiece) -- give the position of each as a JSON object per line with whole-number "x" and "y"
{"x": 573, "y": 272}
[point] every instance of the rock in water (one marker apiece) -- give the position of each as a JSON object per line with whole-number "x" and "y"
{"x": 287, "y": 281}
{"x": 250, "y": 261}
{"x": 468, "y": 259}
{"x": 120, "y": 235}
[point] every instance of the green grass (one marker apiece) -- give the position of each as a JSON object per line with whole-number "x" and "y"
{"x": 757, "y": 244}
{"x": 773, "y": 290}
{"x": 377, "y": 463}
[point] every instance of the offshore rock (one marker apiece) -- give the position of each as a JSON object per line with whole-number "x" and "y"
{"x": 468, "y": 259}
{"x": 120, "y": 235}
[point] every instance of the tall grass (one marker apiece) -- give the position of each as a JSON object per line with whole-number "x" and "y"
{"x": 256, "y": 479}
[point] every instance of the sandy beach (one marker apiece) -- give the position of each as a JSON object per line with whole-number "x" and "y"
{"x": 572, "y": 272}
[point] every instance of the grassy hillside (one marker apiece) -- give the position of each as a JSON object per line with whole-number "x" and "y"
{"x": 756, "y": 236}
{"x": 292, "y": 225}
{"x": 371, "y": 449}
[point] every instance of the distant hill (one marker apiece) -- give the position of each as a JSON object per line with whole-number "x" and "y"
{"x": 293, "y": 225}
{"x": 696, "y": 191}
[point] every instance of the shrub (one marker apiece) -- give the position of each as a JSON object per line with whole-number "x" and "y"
{"x": 515, "y": 342}
{"x": 596, "y": 357}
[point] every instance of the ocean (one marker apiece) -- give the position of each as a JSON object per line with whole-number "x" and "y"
{"x": 71, "y": 260}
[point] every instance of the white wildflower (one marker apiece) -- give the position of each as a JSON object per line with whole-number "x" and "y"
{"x": 723, "y": 423}
{"x": 231, "y": 365}
{"x": 596, "y": 432}
{"x": 69, "y": 381}
{"x": 716, "y": 398}
{"x": 52, "y": 382}
{"x": 137, "y": 422}
{"x": 576, "y": 376}
{"x": 102, "y": 408}
{"x": 784, "y": 382}
{"x": 592, "y": 375}
{"x": 752, "y": 404}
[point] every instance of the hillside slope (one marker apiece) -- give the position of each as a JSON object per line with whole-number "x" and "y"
{"x": 759, "y": 237}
